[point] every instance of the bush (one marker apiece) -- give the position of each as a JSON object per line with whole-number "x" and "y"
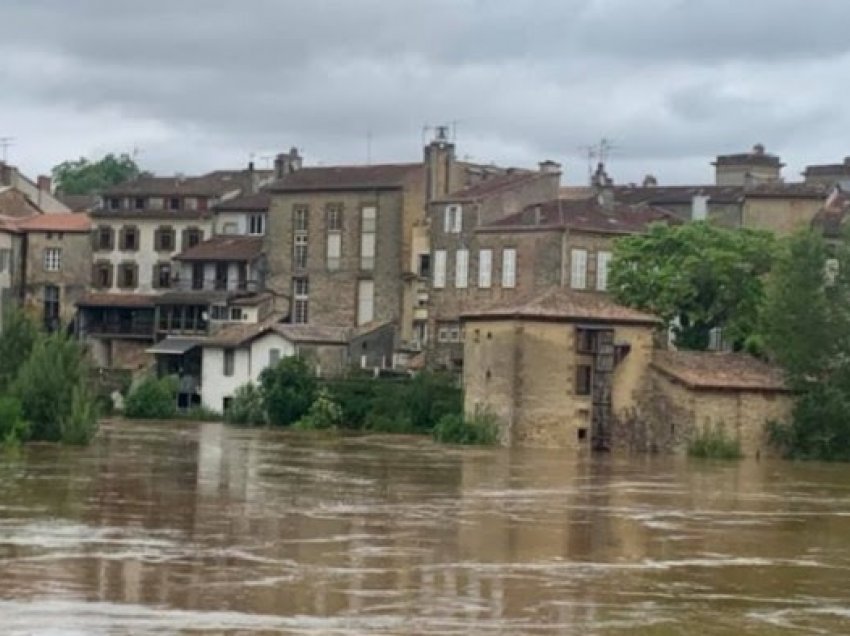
{"x": 355, "y": 395}
{"x": 713, "y": 443}
{"x": 399, "y": 423}
{"x": 17, "y": 339}
{"x": 198, "y": 414}
{"x": 153, "y": 398}
{"x": 80, "y": 425}
{"x": 454, "y": 428}
{"x": 289, "y": 389}
{"x": 820, "y": 427}
{"x": 323, "y": 414}
{"x": 45, "y": 384}
{"x": 13, "y": 427}
{"x": 247, "y": 408}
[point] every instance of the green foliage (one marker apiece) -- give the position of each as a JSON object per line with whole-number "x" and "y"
{"x": 14, "y": 429}
{"x": 46, "y": 382}
{"x": 198, "y": 414}
{"x": 355, "y": 395}
{"x": 820, "y": 428}
{"x": 455, "y": 428}
{"x": 247, "y": 407}
{"x": 17, "y": 338}
{"x": 91, "y": 177}
{"x": 324, "y": 413}
{"x": 383, "y": 422}
{"x": 289, "y": 389}
{"x": 699, "y": 274}
{"x": 80, "y": 425}
{"x": 713, "y": 443}
{"x": 153, "y": 398}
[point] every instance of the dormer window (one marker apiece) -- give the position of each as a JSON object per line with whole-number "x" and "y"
{"x": 139, "y": 203}
{"x": 174, "y": 203}
{"x": 114, "y": 203}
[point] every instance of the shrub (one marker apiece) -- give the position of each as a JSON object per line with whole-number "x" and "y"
{"x": 713, "y": 443}
{"x": 820, "y": 427}
{"x": 324, "y": 413}
{"x": 153, "y": 398}
{"x": 289, "y": 389}
{"x": 17, "y": 338}
{"x": 355, "y": 394}
{"x": 430, "y": 396}
{"x": 455, "y": 428}
{"x": 80, "y": 425}
{"x": 199, "y": 414}
{"x": 387, "y": 423}
{"x": 247, "y": 408}
{"x": 45, "y": 384}
{"x": 13, "y": 427}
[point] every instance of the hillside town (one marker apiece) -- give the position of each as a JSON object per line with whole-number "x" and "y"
{"x": 496, "y": 274}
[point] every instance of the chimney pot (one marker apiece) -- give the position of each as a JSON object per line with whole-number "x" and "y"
{"x": 548, "y": 166}
{"x": 44, "y": 183}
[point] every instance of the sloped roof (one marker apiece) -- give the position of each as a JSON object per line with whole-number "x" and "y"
{"x": 562, "y": 304}
{"x": 212, "y": 184}
{"x": 710, "y": 370}
{"x": 583, "y": 215}
{"x": 829, "y": 169}
{"x": 258, "y": 202}
{"x": 224, "y": 248}
{"x": 237, "y": 335}
{"x": 15, "y": 204}
{"x": 493, "y": 185}
{"x": 831, "y": 218}
{"x": 391, "y": 175}
{"x": 756, "y": 157}
{"x": 660, "y": 195}
{"x": 79, "y": 202}
{"x": 65, "y": 222}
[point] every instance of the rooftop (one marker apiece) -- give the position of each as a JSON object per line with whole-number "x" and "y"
{"x": 15, "y": 204}
{"x": 831, "y": 218}
{"x": 829, "y": 169}
{"x": 212, "y": 184}
{"x": 587, "y": 215}
{"x": 65, "y": 222}
{"x": 709, "y": 370}
{"x": 224, "y": 247}
{"x": 562, "y": 304}
{"x": 79, "y": 202}
{"x": 493, "y": 185}
{"x": 391, "y": 175}
{"x": 258, "y": 202}
{"x": 756, "y": 157}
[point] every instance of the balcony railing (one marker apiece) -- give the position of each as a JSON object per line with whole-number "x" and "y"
{"x": 226, "y": 285}
{"x": 121, "y": 328}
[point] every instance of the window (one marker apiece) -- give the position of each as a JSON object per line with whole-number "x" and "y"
{"x": 365, "y": 301}
{"x": 191, "y": 237}
{"x": 164, "y": 239}
{"x": 102, "y": 275}
{"x": 103, "y": 239}
{"x": 439, "y": 269}
{"x": 300, "y": 214}
{"x": 257, "y": 224}
{"x": 334, "y": 249}
{"x": 425, "y": 265}
{"x": 114, "y": 203}
{"x": 334, "y": 213}
{"x": 174, "y": 203}
{"x": 485, "y": 268}
{"x": 461, "y": 269}
{"x": 197, "y": 275}
{"x": 508, "y": 267}
{"x": 453, "y": 219}
{"x": 274, "y": 357}
{"x": 229, "y": 362}
{"x": 221, "y": 276}
{"x": 230, "y": 228}
{"x": 162, "y": 275}
{"x": 236, "y": 313}
{"x": 139, "y": 203}
{"x": 299, "y": 256}
{"x": 449, "y": 332}
{"x": 367, "y": 237}
{"x": 584, "y": 374}
{"x": 51, "y": 307}
{"x": 129, "y": 238}
{"x": 127, "y": 277}
{"x": 578, "y": 269}
{"x": 603, "y": 259}
{"x": 218, "y": 312}
{"x": 585, "y": 340}
{"x": 52, "y": 259}
{"x": 301, "y": 300}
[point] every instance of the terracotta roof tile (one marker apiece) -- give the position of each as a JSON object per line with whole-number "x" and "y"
{"x": 346, "y": 177}
{"x": 14, "y": 203}
{"x": 64, "y": 222}
{"x": 564, "y": 304}
{"x": 224, "y": 247}
{"x": 709, "y": 370}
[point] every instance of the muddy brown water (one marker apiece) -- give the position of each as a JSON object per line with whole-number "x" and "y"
{"x": 173, "y": 528}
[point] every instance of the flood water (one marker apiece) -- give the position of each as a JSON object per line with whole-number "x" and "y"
{"x": 204, "y": 529}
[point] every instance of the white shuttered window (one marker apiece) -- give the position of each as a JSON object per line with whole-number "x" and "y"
{"x": 365, "y": 301}
{"x": 578, "y": 269}
{"x": 485, "y": 268}
{"x": 439, "y": 269}
{"x": 603, "y": 260}
{"x": 508, "y": 267}
{"x": 461, "y": 269}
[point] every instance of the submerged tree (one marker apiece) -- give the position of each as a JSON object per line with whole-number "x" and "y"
{"x": 696, "y": 277}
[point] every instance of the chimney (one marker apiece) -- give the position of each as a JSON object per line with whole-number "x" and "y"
{"x": 549, "y": 167}
{"x": 44, "y": 183}
{"x": 758, "y": 150}
{"x": 439, "y": 162}
{"x": 649, "y": 181}
{"x": 287, "y": 163}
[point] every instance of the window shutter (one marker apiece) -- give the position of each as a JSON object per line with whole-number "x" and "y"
{"x": 509, "y": 268}
{"x": 461, "y": 269}
{"x": 578, "y": 269}
{"x": 447, "y": 219}
{"x": 485, "y": 268}
{"x": 602, "y": 261}
{"x": 439, "y": 269}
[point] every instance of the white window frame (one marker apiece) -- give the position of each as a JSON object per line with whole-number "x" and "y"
{"x": 300, "y": 252}
{"x": 334, "y": 250}
{"x": 300, "y": 300}
{"x": 485, "y": 268}
{"x": 603, "y": 262}
{"x": 439, "y": 269}
{"x": 365, "y": 301}
{"x": 53, "y": 259}
{"x": 257, "y": 224}
{"x": 453, "y": 219}
{"x": 368, "y": 227}
{"x": 509, "y": 268}
{"x": 578, "y": 268}
{"x": 462, "y": 269}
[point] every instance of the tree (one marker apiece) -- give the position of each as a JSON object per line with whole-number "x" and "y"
{"x": 289, "y": 389}
{"x": 696, "y": 277}
{"x": 91, "y": 177}
{"x": 17, "y": 338}
{"x": 153, "y": 398}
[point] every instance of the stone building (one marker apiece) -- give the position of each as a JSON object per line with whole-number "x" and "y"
{"x": 747, "y": 168}
{"x": 829, "y": 175}
{"x": 558, "y": 368}
{"x": 57, "y": 261}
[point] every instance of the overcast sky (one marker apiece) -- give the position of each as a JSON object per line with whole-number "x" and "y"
{"x": 195, "y": 85}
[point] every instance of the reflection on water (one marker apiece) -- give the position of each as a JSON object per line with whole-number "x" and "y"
{"x": 161, "y": 529}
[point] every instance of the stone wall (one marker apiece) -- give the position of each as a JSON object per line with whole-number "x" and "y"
{"x": 782, "y": 216}
{"x": 72, "y": 278}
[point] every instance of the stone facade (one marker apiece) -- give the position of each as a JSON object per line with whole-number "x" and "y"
{"x": 781, "y": 214}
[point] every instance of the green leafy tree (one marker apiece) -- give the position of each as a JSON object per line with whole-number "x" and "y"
{"x": 324, "y": 413}
{"x": 91, "y": 177}
{"x": 17, "y": 338}
{"x": 153, "y": 398}
{"x": 13, "y": 427}
{"x": 289, "y": 389}
{"x": 248, "y": 407}
{"x": 696, "y": 277}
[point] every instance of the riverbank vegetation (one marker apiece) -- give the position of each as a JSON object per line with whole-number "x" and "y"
{"x": 289, "y": 395}
{"x": 714, "y": 443}
{"x": 45, "y": 386}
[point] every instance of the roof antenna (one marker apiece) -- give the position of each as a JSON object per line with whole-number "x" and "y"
{"x": 368, "y": 147}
